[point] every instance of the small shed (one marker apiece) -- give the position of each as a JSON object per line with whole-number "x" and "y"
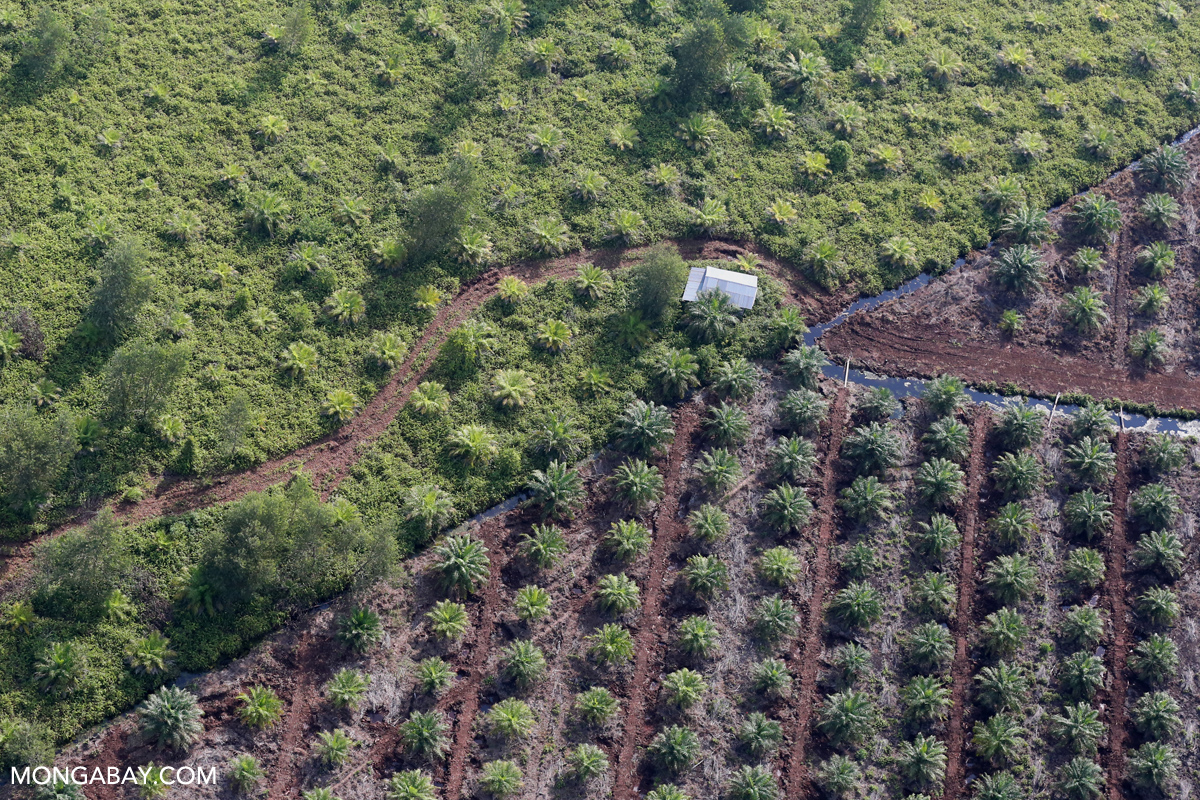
{"x": 740, "y": 287}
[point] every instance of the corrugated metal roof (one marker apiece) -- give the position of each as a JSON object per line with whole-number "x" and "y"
{"x": 741, "y": 287}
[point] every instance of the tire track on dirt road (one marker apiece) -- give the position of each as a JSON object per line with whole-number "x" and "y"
{"x": 668, "y": 529}
{"x": 807, "y": 651}
{"x": 960, "y": 670}
{"x": 1116, "y": 548}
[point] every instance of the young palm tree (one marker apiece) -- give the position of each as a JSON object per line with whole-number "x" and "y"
{"x": 617, "y": 593}
{"x": 474, "y": 444}
{"x": 151, "y": 655}
{"x": 1019, "y": 426}
{"x": 1087, "y": 513}
{"x": 727, "y": 424}
{"x": 1155, "y": 506}
{"x": 735, "y": 379}
{"x": 587, "y": 762}
{"x": 867, "y": 500}
{"x": 512, "y": 388}
{"x": 1083, "y": 626}
{"x": 1084, "y": 567}
{"x": 1150, "y": 348}
{"x": 1081, "y": 779}
{"x": 346, "y": 306}
{"x": 792, "y": 459}
{"x": 1019, "y": 270}
{"x": 644, "y": 428}
{"x": 1003, "y": 631}
{"x": 501, "y": 779}
{"x": 360, "y": 630}
{"x": 675, "y": 372}
{"x": 430, "y": 399}
{"x": 597, "y": 705}
{"x": 858, "y": 605}
{"x": 523, "y": 662}
{"x": 511, "y": 718}
{"x": 1002, "y": 687}
{"x": 923, "y": 761}
{"x": 434, "y": 675}
{"x": 412, "y": 784}
{"x": 674, "y": 749}
{"x": 632, "y": 331}
{"x": 708, "y": 523}
{"x": 1085, "y": 310}
{"x": 553, "y": 335}
{"x": 774, "y": 618}
{"x": 930, "y": 646}
{"x": 786, "y": 508}
{"x": 948, "y": 438}
{"x": 1017, "y": 475}
{"x": 544, "y": 546}
{"x": 333, "y": 747}
{"x": 999, "y": 739}
{"x": 941, "y": 483}
{"x": 1160, "y": 210}
{"x": 592, "y": 282}
{"x": 511, "y": 290}
{"x": 638, "y": 484}
{"x": 1156, "y": 716}
{"x": 847, "y": 717}
{"x": 346, "y": 688}
{"x": 1161, "y": 551}
{"x": 850, "y": 663}
{"x": 759, "y": 734}
{"x": 684, "y": 687}
{"x": 531, "y": 603}
{"x": 935, "y": 594}
{"x": 944, "y": 395}
{"x": 698, "y": 637}
{"x": 1079, "y": 728}
{"x": 803, "y": 365}
{"x": 753, "y": 782}
{"x": 706, "y": 575}
{"x": 1155, "y": 659}
{"x": 424, "y": 734}
{"x": 1091, "y": 460}
{"x": 611, "y": 645}
{"x": 873, "y": 449}
{"x": 1153, "y": 767}
{"x": 261, "y": 707}
{"x": 770, "y": 677}
{"x": 803, "y": 410}
{"x": 557, "y": 435}
{"x": 1011, "y": 578}
{"x": 171, "y": 717}
{"x": 245, "y": 773}
{"x": 1165, "y": 168}
{"x": 779, "y": 566}
{"x": 1013, "y": 525}
{"x": 628, "y": 540}
{"x": 61, "y": 668}
{"x": 937, "y": 537}
{"x": 1082, "y": 674}
{"x": 1098, "y": 217}
{"x": 462, "y": 564}
{"x": 558, "y": 490}
{"x": 926, "y": 698}
{"x": 719, "y": 470}
{"x": 711, "y": 317}
{"x": 298, "y": 359}
{"x": 1159, "y": 606}
{"x": 429, "y": 506}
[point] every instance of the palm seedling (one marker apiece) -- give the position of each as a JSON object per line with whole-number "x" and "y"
{"x": 1161, "y": 551}
{"x": 347, "y": 687}
{"x": 1088, "y": 261}
{"x": 549, "y": 235}
{"x": 802, "y": 410}
{"x": 930, "y": 646}
{"x": 544, "y": 545}
{"x": 523, "y": 663}
{"x": 627, "y": 540}
{"x": 727, "y": 425}
{"x": 684, "y": 687}
{"x": 434, "y": 675}
{"x": 847, "y": 717}
{"x": 588, "y": 184}
{"x": 424, "y": 734}
{"x": 1155, "y": 506}
{"x": 430, "y": 399}
{"x": 1085, "y": 310}
{"x": 948, "y": 438}
{"x": 511, "y": 290}
{"x": 511, "y": 719}
{"x": 595, "y": 382}
{"x": 935, "y": 594}
{"x": 1017, "y": 475}
{"x": 61, "y": 668}
{"x": 617, "y": 594}
{"x": 941, "y": 483}
{"x": 998, "y": 739}
{"x": 926, "y": 698}
{"x": 858, "y": 605}
{"x": 1083, "y": 627}
{"x": 708, "y": 523}
{"x": 936, "y": 537}
{"x": 1156, "y": 716}
{"x": 597, "y": 705}
{"x": 675, "y": 372}
{"x": 19, "y": 617}
{"x": 557, "y": 490}
{"x": 531, "y": 603}
{"x": 1081, "y": 779}
{"x": 1082, "y": 675}
{"x": 923, "y": 761}
{"x": 674, "y": 749}
{"x": 462, "y": 564}
{"x": 792, "y": 459}
{"x": 171, "y": 718}
{"x": 774, "y": 618}
{"x": 245, "y": 773}
{"x": 1003, "y": 630}
{"x": 1165, "y": 168}
{"x": 643, "y": 428}
{"x": 867, "y": 499}
{"x": 943, "y": 66}
{"x": 1078, "y": 727}
{"x": 1030, "y": 146}
{"x": 1084, "y": 567}
{"x": 698, "y": 637}
{"x": 1159, "y": 606}
{"x": 786, "y": 508}
{"x": 1092, "y": 461}
{"x": 1097, "y": 216}
{"x": 623, "y": 136}
{"x": 611, "y": 645}
{"x": 873, "y": 449}
{"x": 501, "y": 779}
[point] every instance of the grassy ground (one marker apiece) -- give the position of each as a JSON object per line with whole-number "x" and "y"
{"x": 184, "y": 90}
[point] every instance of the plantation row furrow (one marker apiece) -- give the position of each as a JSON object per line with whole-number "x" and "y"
{"x": 1115, "y": 600}
{"x": 804, "y": 656}
{"x": 960, "y": 670}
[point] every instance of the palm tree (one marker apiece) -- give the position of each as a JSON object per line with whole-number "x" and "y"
{"x": 1003, "y": 631}
{"x": 948, "y": 438}
{"x": 1017, "y": 475}
{"x": 926, "y": 698}
{"x": 708, "y": 523}
{"x": 429, "y": 506}
{"x": 511, "y": 718}
{"x": 1082, "y": 674}
{"x": 684, "y": 687}
{"x": 998, "y": 739}
{"x": 430, "y": 398}
{"x": 434, "y": 675}
{"x": 1098, "y": 217}
{"x": 857, "y": 605}
{"x": 1150, "y": 348}
{"x": 643, "y": 428}
{"x": 411, "y": 784}
{"x": 923, "y": 761}
{"x": 1081, "y": 779}
{"x": 803, "y": 365}
{"x": 1013, "y": 525}
{"x": 930, "y": 646}
{"x": 786, "y": 508}
{"x": 512, "y": 388}
{"x": 941, "y": 483}
{"x": 1158, "y": 606}
{"x": 1153, "y": 767}
{"x": 770, "y": 677}
{"x": 867, "y": 499}
{"x": 1083, "y": 626}
{"x": 1156, "y": 716}
{"x": 592, "y": 282}
{"x": 587, "y": 762}
{"x": 1165, "y": 168}
{"x": 298, "y": 359}
{"x": 632, "y": 331}
{"x": 1002, "y": 687}
{"x": 544, "y": 546}
{"x": 674, "y": 749}
{"x": 1155, "y": 506}
{"x": 698, "y": 637}
{"x": 501, "y": 779}
{"x": 1160, "y": 210}
{"x": 558, "y": 490}
{"x": 1019, "y": 426}
{"x": 617, "y": 593}
{"x": 1091, "y": 460}
{"x": 735, "y": 379}
{"x": 1087, "y": 514}
{"x": 792, "y": 458}
{"x": 424, "y": 734}
{"x": 1011, "y": 578}
{"x": 1161, "y": 551}
{"x": 872, "y": 449}
{"x": 779, "y": 566}
{"x": 597, "y": 705}
{"x": 675, "y": 371}
{"x": 935, "y": 594}
{"x": 245, "y": 773}
{"x": 523, "y": 663}
{"x": 944, "y": 395}
{"x": 1084, "y": 567}
{"x": 261, "y": 707}
{"x": 171, "y": 717}
{"x": 847, "y": 717}
{"x": 553, "y": 335}
{"x": 774, "y": 618}
{"x": 346, "y": 306}
{"x": 638, "y": 484}
{"x": 711, "y": 316}
{"x": 759, "y": 734}
{"x": 1079, "y": 727}
{"x": 462, "y": 564}
{"x": 61, "y": 668}
{"x": 936, "y": 537}
{"x": 1085, "y": 310}
{"x": 557, "y": 435}
{"x": 347, "y": 687}
{"x": 752, "y": 782}
{"x": 611, "y": 645}
{"x": 151, "y": 655}
{"x": 1019, "y": 270}
{"x": 448, "y": 620}
{"x": 727, "y": 424}
{"x": 511, "y": 290}
{"x": 360, "y": 630}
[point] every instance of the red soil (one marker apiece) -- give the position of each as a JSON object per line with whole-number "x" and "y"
{"x": 1116, "y": 547}
{"x": 648, "y": 643}
{"x": 960, "y": 671}
{"x": 806, "y": 655}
